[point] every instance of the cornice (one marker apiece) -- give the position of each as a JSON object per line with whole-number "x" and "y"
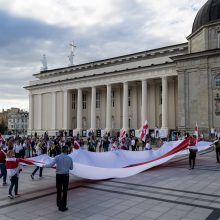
{"x": 206, "y": 53}
{"x": 104, "y": 74}
{"x": 210, "y": 24}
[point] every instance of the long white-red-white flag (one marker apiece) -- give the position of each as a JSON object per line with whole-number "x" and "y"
{"x": 144, "y": 131}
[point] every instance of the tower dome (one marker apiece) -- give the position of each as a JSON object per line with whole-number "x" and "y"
{"x": 209, "y": 12}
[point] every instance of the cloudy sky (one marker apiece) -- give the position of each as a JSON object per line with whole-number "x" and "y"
{"x": 100, "y": 28}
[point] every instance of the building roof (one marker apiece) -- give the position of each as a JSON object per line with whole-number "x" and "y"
{"x": 209, "y": 13}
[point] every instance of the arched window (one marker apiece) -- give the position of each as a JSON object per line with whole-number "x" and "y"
{"x": 217, "y": 81}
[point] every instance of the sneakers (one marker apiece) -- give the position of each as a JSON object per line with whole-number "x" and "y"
{"x": 4, "y": 184}
{"x": 17, "y": 195}
{"x": 32, "y": 176}
{"x": 10, "y": 196}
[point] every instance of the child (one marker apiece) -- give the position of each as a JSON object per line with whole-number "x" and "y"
{"x": 13, "y": 169}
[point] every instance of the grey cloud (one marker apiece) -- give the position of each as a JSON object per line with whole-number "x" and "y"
{"x": 23, "y": 41}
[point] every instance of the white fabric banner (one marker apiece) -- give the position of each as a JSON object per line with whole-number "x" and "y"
{"x": 120, "y": 163}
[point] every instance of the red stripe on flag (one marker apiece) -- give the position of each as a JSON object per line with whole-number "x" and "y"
{"x": 11, "y": 164}
{"x": 183, "y": 145}
{"x": 30, "y": 162}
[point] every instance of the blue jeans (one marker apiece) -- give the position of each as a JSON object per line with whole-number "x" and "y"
{"x": 3, "y": 172}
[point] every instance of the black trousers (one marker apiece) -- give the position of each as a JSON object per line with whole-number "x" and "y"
{"x": 217, "y": 154}
{"x": 192, "y": 158}
{"x": 14, "y": 184}
{"x": 62, "y": 182}
{"x": 40, "y": 172}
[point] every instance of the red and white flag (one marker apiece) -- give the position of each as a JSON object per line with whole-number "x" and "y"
{"x": 12, "y": 165}
{"x": 196, "y": 133}
{"x": 123, "y": 134}
{"x": 144, "y": 131}
{"x": 76, "y": 145}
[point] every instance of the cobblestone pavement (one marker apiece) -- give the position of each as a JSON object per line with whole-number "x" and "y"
{"x": 168, "y": 192}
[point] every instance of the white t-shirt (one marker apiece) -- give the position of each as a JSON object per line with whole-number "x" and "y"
{"x": 132, "y": 142}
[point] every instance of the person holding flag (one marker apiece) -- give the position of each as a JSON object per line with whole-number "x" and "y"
{"x": 13, "y": 169}
{"x": 196, "y": 133}
{"x": 123, "y": 134}
{"x": 143, "y": 133}
{"x": 193, "y": 141}
{"x": 76, "y": 144}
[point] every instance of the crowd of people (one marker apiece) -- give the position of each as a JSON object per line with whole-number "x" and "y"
{"x": 14, "y": 147}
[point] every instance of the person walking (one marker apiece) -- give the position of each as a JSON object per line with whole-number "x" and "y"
{"x": 217, "y": 150}
{"x": 64, "y": 163}
{"x": 192, "y": 152}
{"x": 2, "y": 166}
{"x": 39, "y": 151}
{"x": 13, "y": 169}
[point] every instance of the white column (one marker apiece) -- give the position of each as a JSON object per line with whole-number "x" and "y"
{"x": 31, "y": 112}
{"x": 93, "y": 109}
{"x": 125, "y": 106}
{"x": 164, "y": 103}
{"x": 108, "y": 108}
{"x": 144, "y": 101}
{"x": 54, "y": 111}
{"x": 66, "y": 110}
{"x": 79, "y": 110}
{"x": 40, "y": 115}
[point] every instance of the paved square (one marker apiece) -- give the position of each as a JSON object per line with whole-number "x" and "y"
{"x": 168, "y": 192}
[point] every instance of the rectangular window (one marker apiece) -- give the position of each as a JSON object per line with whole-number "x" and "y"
{"x": 129, "y": 97}
{"x": 218, "y": 39}
{"x": 74, "y": 101}
{"x": 113, "y": 98}
{"x": 98, "y": 99}
{"x": 84, "y": 101}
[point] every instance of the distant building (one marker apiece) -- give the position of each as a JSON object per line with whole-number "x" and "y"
{"x": 17, "y": 120}
{"x": 172, "y": 87}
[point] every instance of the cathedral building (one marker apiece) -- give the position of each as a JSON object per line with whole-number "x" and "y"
{"x": 172, "y": 87}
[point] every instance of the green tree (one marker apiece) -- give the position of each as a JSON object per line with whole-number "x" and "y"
{"x": 3, "y": 128}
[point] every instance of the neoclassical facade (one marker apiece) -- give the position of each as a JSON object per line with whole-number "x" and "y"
{"x": 172, "y": 87}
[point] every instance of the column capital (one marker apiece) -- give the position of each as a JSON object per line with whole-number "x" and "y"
{"x": 164, "y": 77}
{"x": 144, "y": 80}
